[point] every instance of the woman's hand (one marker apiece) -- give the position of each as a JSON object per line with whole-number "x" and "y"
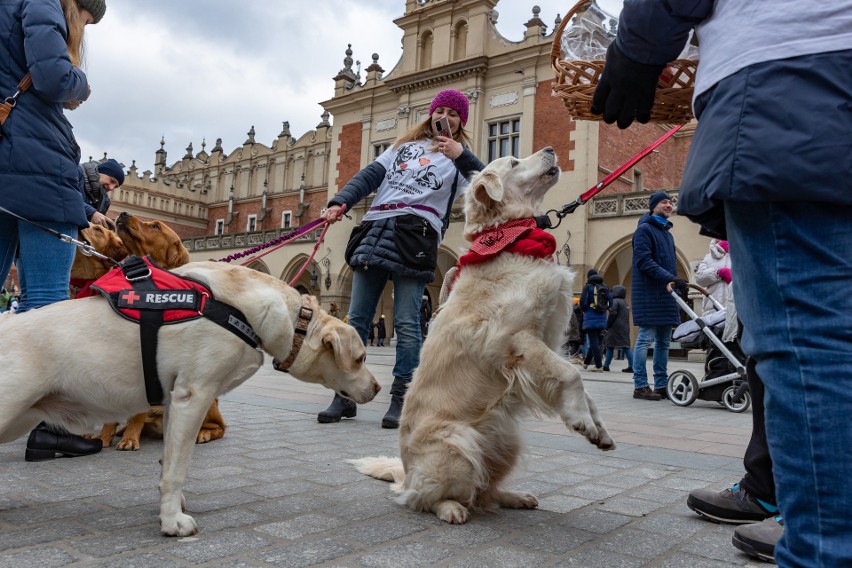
{"x": 449, "y": 147}
{"x": 332, "y": 214}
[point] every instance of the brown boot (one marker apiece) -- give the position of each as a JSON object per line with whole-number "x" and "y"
{"x": 645, "y": 393}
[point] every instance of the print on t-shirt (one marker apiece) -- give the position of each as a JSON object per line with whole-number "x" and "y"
{"x": 409, "y": 161}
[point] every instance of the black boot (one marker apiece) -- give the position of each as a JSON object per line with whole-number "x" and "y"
{"x": 398, "y": 388}
{"x": 340, "y": 408}
{"x": 45, "y": 442}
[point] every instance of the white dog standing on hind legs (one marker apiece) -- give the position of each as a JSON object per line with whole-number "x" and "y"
{"x": 492, "y": 354}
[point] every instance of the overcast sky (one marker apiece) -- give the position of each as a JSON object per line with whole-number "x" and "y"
{"x": 190, "y": 70}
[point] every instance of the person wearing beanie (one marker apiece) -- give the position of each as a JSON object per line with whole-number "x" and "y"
{"x": 97, "y": 8}
{"x": 654, "y": 309}
{"x": 415, "y": 183}
{"x": 39, "y": 176}
{"x": 99, "y": 178}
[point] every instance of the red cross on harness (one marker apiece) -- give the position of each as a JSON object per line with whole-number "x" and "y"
{"x": 130, "y": 297}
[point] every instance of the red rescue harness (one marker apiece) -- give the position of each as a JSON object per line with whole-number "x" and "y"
{"x": 142, "y": 292}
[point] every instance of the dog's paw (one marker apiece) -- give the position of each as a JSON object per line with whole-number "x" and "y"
{"x": 585, "y": 427}
{"x": 605, "y": 442}
{"x": 518, "y": 500}
{"x": 451, "y": 512}
{"x": 127, "y": 444}
{"x": 209, "y": 434}
{"x": 180, "y": 525}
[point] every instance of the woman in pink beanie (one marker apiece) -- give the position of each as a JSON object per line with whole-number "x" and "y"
{"x": 415, "y": 182}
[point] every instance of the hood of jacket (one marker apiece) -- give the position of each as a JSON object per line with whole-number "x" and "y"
{"x": 595, "y": 279}
{"x": 619, "y": 291}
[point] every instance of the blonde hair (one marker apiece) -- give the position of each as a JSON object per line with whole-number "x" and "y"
{"x": 74, "y": 20}
{"x": 424, "y": 130}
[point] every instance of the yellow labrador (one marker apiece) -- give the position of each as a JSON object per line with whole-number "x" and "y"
{"x": 50, "y": 375}
{"x": 492, "y": 353}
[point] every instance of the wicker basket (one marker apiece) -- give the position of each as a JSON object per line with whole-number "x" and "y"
{"x": 576, "y": 82}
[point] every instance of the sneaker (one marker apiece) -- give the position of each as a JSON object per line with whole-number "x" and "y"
{"x": 662, "y": 392}
{"x": 759, "y": 540}
{"x": 645, "y": 393}
{"x": 627, "y": 370}
{"x": 733, "y": 505}
{"x": 596, "y": 370}
{"x": 606, "y": 368}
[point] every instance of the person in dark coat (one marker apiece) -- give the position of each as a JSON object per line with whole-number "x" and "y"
{"x": 769, "y": 168}
{"x": 594, "y": 319}
{"x": 99, "y": 178}
{"x": 416, "y": 181}
{"x": 372, "y": 335}
{"x": 39, "y": 163}
{"x": 618, "y": 328}
{"x": 381, "y": 331}
{"x": 655, "y": 312}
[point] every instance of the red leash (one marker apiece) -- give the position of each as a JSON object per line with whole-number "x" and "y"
{"x": 594, "y": 190}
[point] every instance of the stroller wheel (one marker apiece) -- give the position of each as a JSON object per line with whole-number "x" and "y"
{"x": 682, "y": 388}
{"x": 735, "y": 405}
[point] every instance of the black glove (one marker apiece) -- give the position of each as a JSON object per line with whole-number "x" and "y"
{"x": 681, "y": 286}
{"x": 626, "y": 89}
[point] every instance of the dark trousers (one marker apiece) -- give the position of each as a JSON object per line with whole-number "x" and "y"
{"x": 758, "y": 465}
{"x": 594, "y": 352}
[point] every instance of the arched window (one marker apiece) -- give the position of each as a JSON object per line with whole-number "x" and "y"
{"x": 426, "y": 41}
{"x": 460, "y": 40}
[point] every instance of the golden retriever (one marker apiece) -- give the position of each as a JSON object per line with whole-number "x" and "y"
{"x": 159, "y": 241}
{"x": 493, "y": 352}
{"x": 50, "y": 375}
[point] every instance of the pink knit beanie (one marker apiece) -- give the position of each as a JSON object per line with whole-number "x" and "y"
{"x": 453, "y": 99}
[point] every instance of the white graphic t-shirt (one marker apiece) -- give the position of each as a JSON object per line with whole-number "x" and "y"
{"x": 417, "y": 174}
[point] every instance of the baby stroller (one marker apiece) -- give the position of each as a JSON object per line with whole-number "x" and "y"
{"x": 724, "y": 378}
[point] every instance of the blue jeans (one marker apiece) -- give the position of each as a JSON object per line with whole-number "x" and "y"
{"x": 792, "y": 269}
{"x": 660, "y": 336}
{"x": 609, "y": 353}
{"x": 44, "y": 264}
{"x": 367, "y": 288}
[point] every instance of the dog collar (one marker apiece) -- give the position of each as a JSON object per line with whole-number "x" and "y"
{"x": 305, "y": 315}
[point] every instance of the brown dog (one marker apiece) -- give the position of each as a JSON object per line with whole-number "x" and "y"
{"x": 160, "y": 242}
{"x": 87, "y": 268}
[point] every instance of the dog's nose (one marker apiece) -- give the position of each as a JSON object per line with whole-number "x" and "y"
{"x": 549, "y": 149}
{"x": 376, "y": 387}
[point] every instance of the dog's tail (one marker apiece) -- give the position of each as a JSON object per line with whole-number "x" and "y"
{"x": 384, "y": 468}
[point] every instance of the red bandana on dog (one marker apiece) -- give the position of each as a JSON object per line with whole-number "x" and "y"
{"x": 519, "y": 236}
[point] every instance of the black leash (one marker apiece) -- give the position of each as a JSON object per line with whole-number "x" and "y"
{"x": 84, "y": 247}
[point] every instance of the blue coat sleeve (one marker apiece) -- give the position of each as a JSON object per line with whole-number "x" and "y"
{"x": 642, "y": 253}
{"x": 655, "y": 31}
{"x": 467, "y": 164}
{"x": 360, "y": 186}
{"x": 55, "y": 79}
{"x": 584, "y": 298}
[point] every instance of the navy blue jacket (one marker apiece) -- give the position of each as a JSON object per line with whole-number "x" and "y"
{"x": 654, "y": 266}
{"x": 39, "y": 158}
{"x": 796, "y": 110}
{"x": 591, "y": 318}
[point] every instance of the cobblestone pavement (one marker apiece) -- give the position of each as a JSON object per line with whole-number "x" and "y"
{"x": 276, "y": 491}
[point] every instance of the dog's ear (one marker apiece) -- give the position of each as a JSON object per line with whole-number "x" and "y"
{"x": 487, "y": 187}
{"x": 177, "y": 255}
{"x": 334, "y": 341}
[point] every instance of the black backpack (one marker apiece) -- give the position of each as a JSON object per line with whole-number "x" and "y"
{"x": 600, "y": 298}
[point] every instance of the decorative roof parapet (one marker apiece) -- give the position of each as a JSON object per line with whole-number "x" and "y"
{"x": 476, "y": 67}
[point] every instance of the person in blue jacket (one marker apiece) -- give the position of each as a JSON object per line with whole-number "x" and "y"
{"x": 594, "y": 318}
{"x": 39, "y": 173}
{"x": 415, "y": 181}
{"x": 770, "y": 167}
{"x": 654, "y": 309}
